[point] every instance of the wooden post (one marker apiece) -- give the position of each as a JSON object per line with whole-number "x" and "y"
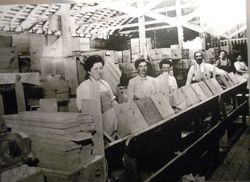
{"x": 248, "y": 45}
{"x": 70, "y": 69}
{"x": 93, "y": 106}
{"x": 20, "y": 94}
{"x": 142, "y": 34}
{"x": 1, "y": 105}
{"x": 179, "y": 27}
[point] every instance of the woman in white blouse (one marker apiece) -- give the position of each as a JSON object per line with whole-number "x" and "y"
{"x": 241, "y": 68}
{"x": 94, "y": 69}
{"x": 142, "y": 85}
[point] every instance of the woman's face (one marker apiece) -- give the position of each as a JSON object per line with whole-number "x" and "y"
{"x": 96, "y": 71}
{"x": 165, "y": 68}
{"x": 239, "y": 58}
{"x": 142, "y": 69}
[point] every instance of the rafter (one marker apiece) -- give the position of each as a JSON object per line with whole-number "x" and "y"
{"x": 148, "y": 7}
{"x": 13, "y": 19}
{"x": 148, "y": 29}
{"x": 243, "y": 28}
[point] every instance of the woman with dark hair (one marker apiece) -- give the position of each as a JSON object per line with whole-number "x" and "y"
{"x": 94, "y": 69}
{"x": 142, "y": 85}
{"x": 165, "y": 66}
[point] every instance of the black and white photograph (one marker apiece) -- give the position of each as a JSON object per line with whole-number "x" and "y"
{"x": 124, "y": 90}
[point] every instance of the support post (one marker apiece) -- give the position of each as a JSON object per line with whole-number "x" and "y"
{"x": 1, "y": 105}
{"x": 248, "y": 46}
{"x": 142, "y": 33}
{"x": 20, "y": 99}
{"x": 70, "y": 69}
{"x": 179, "y": 27}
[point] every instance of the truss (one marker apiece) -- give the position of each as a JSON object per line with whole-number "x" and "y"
{"x": 100, "y": 18}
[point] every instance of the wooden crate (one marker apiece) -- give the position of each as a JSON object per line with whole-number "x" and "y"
{"x": 148, "y": 110}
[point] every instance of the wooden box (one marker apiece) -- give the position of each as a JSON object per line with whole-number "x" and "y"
{"x": 149, "y": 110}
{"x": 129, "y": 118}
{"x": 162, "y": 104}
{"x": 190, "y": 96}
{"x": 211, "y": 86}
{"x": 205, "y": 89}
{"x": 198, "y": 91}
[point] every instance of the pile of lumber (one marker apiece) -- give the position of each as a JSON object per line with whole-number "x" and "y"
{"x": 59, "y": 140}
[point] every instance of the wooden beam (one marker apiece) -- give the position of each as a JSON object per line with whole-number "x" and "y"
{"x": 148, "y": 29}
{"x": 10, "y": 78}
{"x": 70, "y": 70}
{"x": 192, "y": 15}
{"x": 148, "y": 7}
{"x": 32, "y": 13}
{"x": 142, "y": 33}
{"x": 20, "y": 99}
{"x": 1, "y": 105}
{"x": 179, "y": 27}
{"x": 13, "y": 19}
{"x": 15, "y": 2}
{"x": 243, "y": 28}
{"x": 248, "y": 47}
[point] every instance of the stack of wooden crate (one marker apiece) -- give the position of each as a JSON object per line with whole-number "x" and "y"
{"x": 56, "y": 138}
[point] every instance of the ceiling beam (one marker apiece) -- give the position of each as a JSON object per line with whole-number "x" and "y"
{"x": 190, "y": 16}
{"x": 148, "y": 7}
{"x": 148, "y": 29}
{"x": 243, "y": 28}
{"x": 15, "y": 2}
{"x": 13, "y": 19}
{"x": 27, "y": 19}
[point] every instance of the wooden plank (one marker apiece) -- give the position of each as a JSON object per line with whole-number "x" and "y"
{"x": 148, "y": 110}
{"x": 177, "y": 100}
{"x": 48, "y": 105}
{"x": 211, "y": 87}
{"x": 233, "y": 78}
{"x": 45, "y": 124}
{"x": 10, "y": 78}
{"x": 229, "y": 80}
{"x": 123, "y": 128}
{"x": 217, "y": 85}
{"x": 190, "y": 96}
{"x": 56, "y": 117}
{"x": 76, "y": 137}
{"x": 243, "y": 173}
{"x": 237, "y": 160}
{"x": 33, "y": 130}
{"x": 227, "y": 161}
{"x": 106, "y": 101}
{"x": 20, "y": 95}
{"x": 1, "y": 105}
{"x": 129, "y": 118}
{"x": 223, "y": 82}
{"x": 198, "y": 91}
{"x": 69, "y": 63}
{"x": 162, "y": 104}
{"x": 109, "y": 121}
{"x": 93, "y": 107}
{"x": 52, "y": 146}
{"x": 205, "y": 89}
